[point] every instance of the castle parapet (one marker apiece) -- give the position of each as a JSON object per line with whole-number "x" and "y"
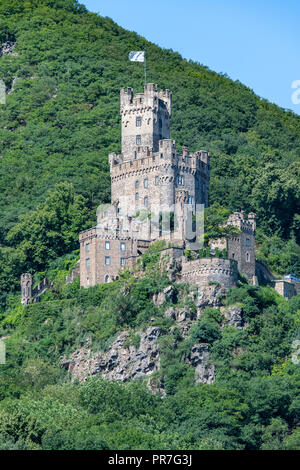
{"x": 204, "y": 271}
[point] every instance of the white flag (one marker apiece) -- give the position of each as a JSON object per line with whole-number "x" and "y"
{"x": 137, "y": 56}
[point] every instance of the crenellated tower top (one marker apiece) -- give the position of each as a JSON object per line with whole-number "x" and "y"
{"x": 145, "y": 119}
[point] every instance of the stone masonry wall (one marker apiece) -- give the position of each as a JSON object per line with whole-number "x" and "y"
{"x": 203, "y": 271}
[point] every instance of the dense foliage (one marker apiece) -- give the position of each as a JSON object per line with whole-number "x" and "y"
{"x": 60, "y": 121}
{"x": 253, "y": 404}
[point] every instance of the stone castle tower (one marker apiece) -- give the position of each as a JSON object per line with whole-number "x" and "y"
{"x": 150, "y": 181}
{"x": 149, "y": 176}
{"x": 149, "y": 167}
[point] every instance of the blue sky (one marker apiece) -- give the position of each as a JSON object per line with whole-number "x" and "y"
{"x": 254, "y": 41}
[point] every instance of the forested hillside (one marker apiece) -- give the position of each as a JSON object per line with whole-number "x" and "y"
{"x": 63, "y": 68}
{"x": 253, "y": 403}
{"x": 61, "y": 119}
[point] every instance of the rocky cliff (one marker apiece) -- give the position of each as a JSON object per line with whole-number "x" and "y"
{"x": 126, "y": 361}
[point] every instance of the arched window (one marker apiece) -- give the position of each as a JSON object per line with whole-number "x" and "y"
{"x": 247, "y": 257}
{"x": 107, "y": 278}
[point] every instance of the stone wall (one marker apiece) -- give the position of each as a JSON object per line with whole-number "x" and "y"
{"x": 284, "y": 288}
{"x": 204, "y": 271}
{"x": 30, "y": 294}
{"x": 240, "y": 247}
{"x": 146, "y": 115}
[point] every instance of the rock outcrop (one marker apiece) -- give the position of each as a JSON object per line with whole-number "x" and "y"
{"x": 199, "y": 358}
{"x": 167, "y": 295}
{"x": 233, "y": 316}
{"x": 121, "y": 362}
{"x": 210, "y": 296}
{"x": 7, "y": 48}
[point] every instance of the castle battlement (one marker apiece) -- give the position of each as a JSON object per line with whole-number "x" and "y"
{"x": 151, "y": 98}
{"x": 204, "y": 271}
{"x": 237, "y": 219}
{"x": 148, "y": 176}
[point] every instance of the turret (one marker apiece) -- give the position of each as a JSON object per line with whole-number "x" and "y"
{"x": 252, "y": 220}
{"x": 26, "y": 288}
{"x": 145, "y": 119}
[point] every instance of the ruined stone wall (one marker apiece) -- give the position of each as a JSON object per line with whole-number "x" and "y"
{"x": 284, "y": 288}
{"x": 30, "y": 294}
{"x": 204, "y": 271}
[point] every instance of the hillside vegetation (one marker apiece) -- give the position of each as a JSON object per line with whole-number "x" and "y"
{"x": 60, "y": 121}
{"x": 253, "y": 404}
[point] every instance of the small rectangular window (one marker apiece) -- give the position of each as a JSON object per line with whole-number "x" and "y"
{"x": 146, "y": 202}
{"x": 180, "y": 180}
{"x": 137, "y": 184}
{"x": 136, "y": 196}
{"x": 146, "y": 183}
{"x": 87, "y": 262}
{"x": 247, "y": 241}
{"x": 156, "y": 180}
{"x": 107, "y": 245}
{"x": 122, "y": 246}
{"x": 122, "y": 261}
{"x": 107, "y": 260}
{"x": 138, "y": 121}
{"x": 87, "y": 247}
{"x": 138, "y": 140}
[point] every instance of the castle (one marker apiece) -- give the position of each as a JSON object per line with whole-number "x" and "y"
{"x": 156, "y": 194}
{"x": 150, "y": 177}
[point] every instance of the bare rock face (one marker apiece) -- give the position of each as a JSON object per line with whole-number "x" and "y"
{"x": 233, "y": 316}
{"x": 210, "y": 296}
{"x": 120, "y": 362}
{"x": 7, "y": 48}
{"x": 199, "y": 358}
{"x": 167, "y": 295}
